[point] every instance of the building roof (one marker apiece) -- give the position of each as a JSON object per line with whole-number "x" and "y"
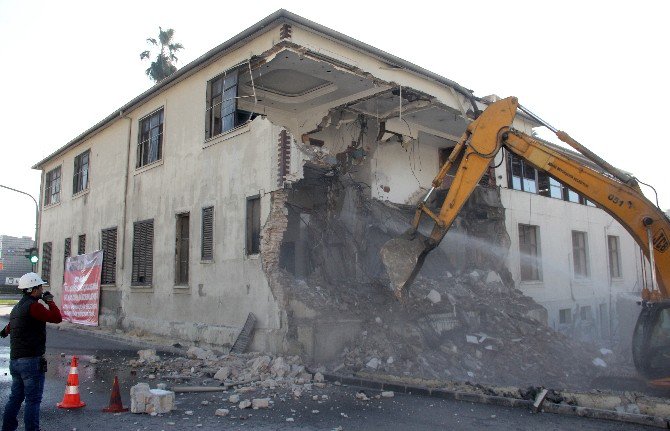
{"x": 281, "y": 16}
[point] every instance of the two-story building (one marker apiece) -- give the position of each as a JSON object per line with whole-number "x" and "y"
{"x": 186, "y": 188}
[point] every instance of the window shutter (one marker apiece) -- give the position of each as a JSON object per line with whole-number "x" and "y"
{"x": 109, "y": 256}
{"x": 206, "y": 251}
{"x": 46, "y": 261}
{"x": 67, "y": 250}
{"x": 142, "y": 267}
{"x": 82, "y": 244}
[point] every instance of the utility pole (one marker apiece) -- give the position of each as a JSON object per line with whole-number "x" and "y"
{"x": 37, "y": 213}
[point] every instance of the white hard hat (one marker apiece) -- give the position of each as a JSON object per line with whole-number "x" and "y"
{"x": 30, "y": 280}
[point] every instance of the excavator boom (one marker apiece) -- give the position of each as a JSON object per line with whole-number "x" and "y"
{"x": 615, "y": 192}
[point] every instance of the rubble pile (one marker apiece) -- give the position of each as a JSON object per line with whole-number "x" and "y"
{"x": 463, "y": 319}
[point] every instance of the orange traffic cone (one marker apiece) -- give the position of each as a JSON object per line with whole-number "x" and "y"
{"x": 115, "y": 404}
{"x": 71, "y": 398}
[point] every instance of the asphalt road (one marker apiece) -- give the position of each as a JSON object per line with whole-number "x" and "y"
{"x": 339, "y": 409}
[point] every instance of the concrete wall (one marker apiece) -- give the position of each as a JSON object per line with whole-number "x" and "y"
{"x": 559, "y": 288}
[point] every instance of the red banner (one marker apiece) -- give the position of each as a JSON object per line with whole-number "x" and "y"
{"x": 81, "y": 289}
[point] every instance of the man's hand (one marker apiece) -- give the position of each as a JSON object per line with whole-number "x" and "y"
{"x": 47, "y": 296}
{"x": 4, "y": 332}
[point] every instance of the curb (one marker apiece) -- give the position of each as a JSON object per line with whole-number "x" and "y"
{"x": 562, "y": 409}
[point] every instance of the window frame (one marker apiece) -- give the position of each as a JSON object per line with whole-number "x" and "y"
{"x": 47, "y": 248}
{"x": 108, "y": 270}
{"x": 145, "y": 137}
{"x": 580, "y": 255}
{"x": 142, "y": 253}
{"x": 182, "y": 248}
{"x": 614, "y": 256}
{"x": 253, "y": 226}
{"x": 52, "y": 186}
{"x": 81, "y": 244}
{"x": 80, "y": 172}
{"x": 207, "y": 234}
{"x": 532, "y": 250}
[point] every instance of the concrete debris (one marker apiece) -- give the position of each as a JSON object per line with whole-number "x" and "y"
{"x": 260, "y": 403}
{"x": 290, "y": 419}
{"x": 388, "y": 394}
{"x": 434, "y": 296}
{"x": 493, "y": 277}
{"x": 605, "y": 351}
{"x": 143, "y": 399}
{"x": 472, "y": 339}
{"x": 234, "y": 399}
{"x": 598, "y": 362}
{"x": 222, "y": 412}
{"x": 361, "y": 396}
{"x": 244, "y": 404}
{"x": 199, "y": 353}
{"x": 222, "y": 374}
{"x": 148, "y": 355}
{"x": 318, "y": 377}
{"x": 373, "y": 363}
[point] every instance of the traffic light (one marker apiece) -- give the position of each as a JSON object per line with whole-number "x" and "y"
{"x": 31, "y": 253}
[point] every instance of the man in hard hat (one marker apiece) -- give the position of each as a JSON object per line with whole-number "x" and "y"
{"x": 27, "y": 365}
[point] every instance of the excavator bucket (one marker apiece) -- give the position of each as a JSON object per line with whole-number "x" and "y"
{"x": 403, "y": 257}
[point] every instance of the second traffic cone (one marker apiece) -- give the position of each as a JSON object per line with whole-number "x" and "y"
{"x": 115, "y": 404}
{"x": 71, "y": 398}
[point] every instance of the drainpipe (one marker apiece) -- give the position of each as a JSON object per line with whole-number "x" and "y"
{"x": 125, "y": 192}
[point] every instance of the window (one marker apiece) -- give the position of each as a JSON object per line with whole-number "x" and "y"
{"x": 222, "y": 107}
{"x": 108, "y": 275}
{"x": 67, "y": 252}
{"x": 564, "y": 316}
{"x": 181, "y": 250}
{"x": 529, "y": 248}
{"x": 614, "y": 253}
{"x": 253, "y": 233}
{"x": 80, "y": 178}
{"x": 585, "y": 313}
{"x": 82, "y": 244}
{"x": 580, "y": 254}
{"x": 46, "y": 261}
{"x": 143, "y": 253}
{"x": 522, "y": 175}
{"x": 149, "y": 146}
{"x": 52, "y": 187}
{"x": 207, "y": 234}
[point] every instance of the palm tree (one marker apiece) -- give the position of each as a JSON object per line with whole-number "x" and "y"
{"x": 163, "y": 66}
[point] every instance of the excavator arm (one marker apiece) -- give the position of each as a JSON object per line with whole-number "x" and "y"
{"x": 614, "y": 191}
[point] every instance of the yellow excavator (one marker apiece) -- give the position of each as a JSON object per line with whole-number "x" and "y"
{"x": 612, "y": 190}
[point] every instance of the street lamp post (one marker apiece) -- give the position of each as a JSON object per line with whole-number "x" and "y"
{"x": 37, "y": 212}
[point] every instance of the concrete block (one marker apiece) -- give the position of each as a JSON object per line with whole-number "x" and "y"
{"x": 221, "y": 412}
{"x": 222, "y": 374}
{"x": 146, "y": 400}
{"x": 244, "y": 404}
{"x": 260, "y": 403}
{"x": 434, "y": 296}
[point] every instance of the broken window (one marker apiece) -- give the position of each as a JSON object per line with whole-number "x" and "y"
{"x": 82, "y": 244}
{"x": 565, "y": 316}
{"x": 580, "y": 254}
{"x": 52, "y": 187}
{"x": 80, "y": 177}
{"x": 222, "y": 107}
{"x": 150, "y": 142}
{"x": 181, "y": 250}
{"x": 207, "y": 234}
{"x": 614, "y": 253}
{"x": 143, "y": 253}
{"x": 253, "y": 231}
{"x": 46, "y": 261}
{"x": 67, "y": 250}
{"x": 529, "y": 248}
{"x": 108, "y": 275}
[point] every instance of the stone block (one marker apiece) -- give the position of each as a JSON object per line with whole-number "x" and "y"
{"x": 260, "y": 403}
{"x": 146, "y": 400}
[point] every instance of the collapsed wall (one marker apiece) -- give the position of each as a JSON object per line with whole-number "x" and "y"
{"x": 463, "y": 318}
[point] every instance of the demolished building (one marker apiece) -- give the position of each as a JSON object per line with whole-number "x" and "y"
{"x": 263, "y": 178}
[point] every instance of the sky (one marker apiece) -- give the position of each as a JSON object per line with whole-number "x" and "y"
{"x": 596, "y": 69}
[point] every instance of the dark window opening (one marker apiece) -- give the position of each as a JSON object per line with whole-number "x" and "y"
{"x": 108, "y": 275}
{"x": 207, "y": 234}
{"x": 143, "y": 253}
{"x": 52, "y": 187}
{"x": 222, "y": 107}
{"x": 67, "y": 252}
{"x": 82, "y": 244}
{"x": 150, "y": 143}
{"x": 565, "y": 316}
{"x": 46, "y": 261}
{"x": 80, "y": 177}
{"x": 253, "y": 231}
{"x": 181, "y": 250}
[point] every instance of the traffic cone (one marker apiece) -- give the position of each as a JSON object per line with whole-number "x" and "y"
{"x": 115, "y": 404}
{"x": 71, "y": 398}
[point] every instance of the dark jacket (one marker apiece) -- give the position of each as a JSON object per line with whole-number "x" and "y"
{"x": 28, "y": 335}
